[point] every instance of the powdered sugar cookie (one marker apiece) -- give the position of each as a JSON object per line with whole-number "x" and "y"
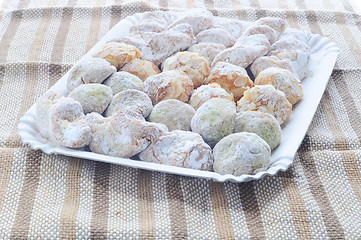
{"x": 265, "y": 62}
{"x": 207, "y": 50}
{"x": 121, "y": 81}
{"x": 117, "y": 53}
{"x": 283, "y": 80}
{"x": 206, "y": 92}
{"x": 67, "y": 124}
{"x": 130, "y": 99}
{"x": 271, "y": 34}
{"x": 141, "y": 68}
{"x": 200, "y": 19}
{"x": 171, "y": 84}
{"x": 277, "y": 24}
{"x": 214, "y": 120}
{"x": 195, "y": 66}
{"x": 124, "y": 134}
{"x": 176, "y": 115}
{"x": 94, "y": 70}
{"x": 234, "y": 26}
{"x": 216, "y": 35}
{"x": 263, "y": 124}
{"x": 241, "y": 153}
{"x": 92, "y": 97}
{"x": 265, "y": 98}
{"x": 149, "y": 25}
{"x": 180, "y": 148}
{"x": 232, "y": 78}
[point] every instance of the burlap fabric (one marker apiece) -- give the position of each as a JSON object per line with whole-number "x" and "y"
{"x": 59, "y": 197}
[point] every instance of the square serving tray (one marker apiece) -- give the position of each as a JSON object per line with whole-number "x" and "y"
{"x": 323, "y": 58}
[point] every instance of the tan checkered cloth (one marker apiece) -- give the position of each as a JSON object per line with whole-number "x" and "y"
{"x": 59, "y": 197}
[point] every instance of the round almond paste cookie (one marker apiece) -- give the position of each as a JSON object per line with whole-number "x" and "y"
{"x": 263, "y": 124}
{"x": 194, "y": 65}
{"x": 94, "y": 70}
{"x": 265, "y": 98}
{"x": 124, "y": 134}
{"x": 130, "y": 99}
{"x": 120, "y": 81}
{"x": 92, "y": 97}
{"x": 180, "y": 148}
{"x": 241, "y": 153}
{"x": 206, "y": 92}
{"x": 283, "y": 80}
{"x": 141, "y": 68}
{"x": 232, "y": 78}
{"x": 173, "y": 84}
{"x": 176, "y": 115}
{"x": 117, "y": 53}
{"x": 214, "y": 120}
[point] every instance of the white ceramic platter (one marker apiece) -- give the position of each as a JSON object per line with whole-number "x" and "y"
{"x": 323, "y": 58}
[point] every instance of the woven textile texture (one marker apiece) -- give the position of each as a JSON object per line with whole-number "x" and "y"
{"x": 46, "y": 196}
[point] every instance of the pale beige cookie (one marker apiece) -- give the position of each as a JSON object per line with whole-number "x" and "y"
{"x": 93, "y": 119}
{"x": 94, "y": 70}
{"x": 271, "y": 34}
{"x": 173, "y": 84}
{"x": 283, "y": 80}
{"x": 167, "y": 16}
{"x": 117, "y": 53}
{"x": 149, "y": 25}
{"x": 124, "y": 134}
{"x": 265, "y": 98}
{"x": 287, "y": 43}
{"x": 214, "y": 120}
{"x": 92, "y": 97}
{"x": 216, "y": 35}
{"x": 207, "y": 50}
{"x": 241, "y": 56}
{"x": 206, "y": 92}
{"x": 121, "y": 81}
{"x": 241, "y": 153}
{"x": 67, "y": 124}
{"x": 43, "y": 105}
{"x": 257, "y": 41}
{"x": 232, "y": 78}
{"x": 181, "y": 149}
{"x": 277, "y": 24}
{"x": 263, "y": 124}
{"x": 141, "y": 68}
{"x": 234, "y": 26}
{"x": 176, "y": 115}
{"x": 265, "y": 62}
{"x": 200, "y": 19}
{"x": 298, "y": 61}
{"x": 130, "y": 99}
{"x": 195, "y": 66}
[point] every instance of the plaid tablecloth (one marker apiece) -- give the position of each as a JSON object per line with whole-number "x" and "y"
{"x": 59, "y": 197}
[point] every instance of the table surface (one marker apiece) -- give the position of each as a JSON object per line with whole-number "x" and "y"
{"x": 318, "y": 197}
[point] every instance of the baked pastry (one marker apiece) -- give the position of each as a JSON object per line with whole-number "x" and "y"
{"x": 117, "y": 53}
{"x": 214, "y": 120}
{"x": 167, "y": 16}
{"x": 149, "y": 25}
{"x": 206, "y": 92}
{"x": 61, "y": 120}
{"x": 180, "y": 148}
{"x": 120, "y": 81}
{"x": 194, "y": 65}
{"x": 124, "y": 134}
{"x": 232, "y": 78}
{"x": 93, "y": 70}
{"x": 234, "y": 26}
{"x": 265, "y": 98}
{"x": 141, "y": 68}
{"x": 265, "y": 62}
{"x": 216, "y": 35}
{"x": 200, "y": 19}
{"x": 263, "y": 124}
{"x": 277, "y": 24}
{"x": 207, "y": 50}
{"x": 92, "y": 97}
{"x": 176, "y": 115}
{"x": 241, "y": 153}
{"x": 283, "y": 80}
{"x": 130, "y": 99}
{"x": 271, "y": 34}
{"x": 173, "y": 84}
